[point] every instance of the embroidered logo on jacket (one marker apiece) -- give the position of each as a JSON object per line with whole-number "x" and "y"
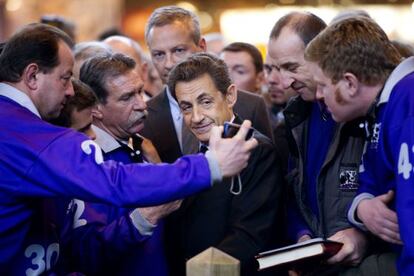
{"x": 375, "y": 136}
{"x": 348, "y": 179}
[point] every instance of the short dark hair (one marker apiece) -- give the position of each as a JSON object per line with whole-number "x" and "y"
{"x": 61, "y": 23}
{"x": 110, "y": 32}
{"x": 349, "y": 14}
{"x": 197, "y": 65}
{"x": 170, "y": 14}
{"x": 88, "y": 49}
{"x": 357, "y": 45}
{"x": 35, "y": 43}
{"x": 250, "y": 49}
{"x": 97, "y": 70}
{"x": 83, "y": 98}
{"x": 305, "y": 24}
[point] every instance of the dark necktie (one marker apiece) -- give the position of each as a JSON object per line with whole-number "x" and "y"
{"x": 203, "y": 149}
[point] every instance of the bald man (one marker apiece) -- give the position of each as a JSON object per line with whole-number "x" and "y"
{"x": 131, "y": 48}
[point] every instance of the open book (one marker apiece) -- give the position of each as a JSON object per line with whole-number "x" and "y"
{"x": 311, "y": 250}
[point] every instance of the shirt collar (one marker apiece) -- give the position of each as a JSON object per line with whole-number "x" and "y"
{"x": 19, "y": 97}
{"x": 171, "y": 98}
{"x": 105, "y": 140}
{"x": 402, "y": 70}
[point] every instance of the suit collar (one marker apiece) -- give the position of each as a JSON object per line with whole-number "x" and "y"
{"x": 156, "y": 102}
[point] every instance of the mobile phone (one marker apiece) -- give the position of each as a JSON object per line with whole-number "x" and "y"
{"x": 231, "y": 129}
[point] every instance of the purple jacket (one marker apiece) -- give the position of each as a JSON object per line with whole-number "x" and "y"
{"x": 103, "y": 239}
{"x": 39, "y": 161}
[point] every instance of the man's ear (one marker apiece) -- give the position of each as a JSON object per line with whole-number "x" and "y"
{"x": 202, "y": 44}
{"x": 259, "y": 81}
{"x": 97, "y": 112}
{"x": 30, "y": 76}
{"x": 231, "y": 96}
{"x": 351, "y": 83}
{"x": 144, "y": 71}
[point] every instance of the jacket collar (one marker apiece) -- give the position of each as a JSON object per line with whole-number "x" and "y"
{"x": 403, "y": 69}
{"x": 105, "y": 140}
{"x": 297, "y": 111}
{"x": 19, "y": 97}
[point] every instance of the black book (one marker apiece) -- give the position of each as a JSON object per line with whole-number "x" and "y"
{"x": 313, "y": 250}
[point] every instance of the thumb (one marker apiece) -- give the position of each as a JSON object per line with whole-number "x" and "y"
{"x": 215, "y": 135}
{"x": 386, "y": 198}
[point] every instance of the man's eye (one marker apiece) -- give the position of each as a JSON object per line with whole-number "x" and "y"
{"x": 180, "y": 50}
{"x": 66, "y": 80}
{"x": 126, "y": 98}
{"x": 292, "y": 68}
{"x": 157, "y": 55}
{"x": 185, "y": 108}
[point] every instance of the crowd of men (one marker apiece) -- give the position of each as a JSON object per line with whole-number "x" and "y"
{"x": 105, "y": 171}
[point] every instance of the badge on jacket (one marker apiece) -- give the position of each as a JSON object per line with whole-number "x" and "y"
{"x": 348, "y": 178}
{"x": 375, "y": 136}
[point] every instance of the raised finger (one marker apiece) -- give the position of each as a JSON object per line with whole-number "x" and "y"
{"x": 244, "y": 129}
{"x": 250, "y": 144}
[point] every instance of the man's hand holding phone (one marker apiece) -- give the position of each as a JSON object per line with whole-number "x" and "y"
{"x": 233, "y": 153}
{"x": 231, "y": 129}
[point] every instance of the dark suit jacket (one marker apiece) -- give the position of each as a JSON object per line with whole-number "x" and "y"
{"x": 240, "y": 225}
{"x": 159, "y": 125}
{"x": 250, "y": 106}
{"x": 159, "y": 128}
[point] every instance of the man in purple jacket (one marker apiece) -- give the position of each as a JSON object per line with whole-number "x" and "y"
{"x": 109, "y": 239}
{"x": 39, "y": 161}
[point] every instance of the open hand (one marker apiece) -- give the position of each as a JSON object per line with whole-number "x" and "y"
{"x": 379, "y": 218}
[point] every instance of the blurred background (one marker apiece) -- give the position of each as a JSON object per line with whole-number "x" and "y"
{"x": 237, "y": 20}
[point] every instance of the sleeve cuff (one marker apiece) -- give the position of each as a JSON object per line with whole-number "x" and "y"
{"x": 352, "y": 210}
{"x": 303, "y": 233}
{"x": 215, "y": 171}
{"x": 144, "y": 227}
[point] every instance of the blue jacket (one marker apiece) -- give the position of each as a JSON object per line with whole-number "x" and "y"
{"x": 39, "y": 161}
{"x": 103, "y": 239}
{"x": 389, "y": 157}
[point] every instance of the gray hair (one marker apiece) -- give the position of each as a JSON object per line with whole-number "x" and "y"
{"x": 170, "y": 14}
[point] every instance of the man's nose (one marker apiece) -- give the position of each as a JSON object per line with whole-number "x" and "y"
{"x": 274, "y": 78}
{"x": 170, "y": 61}
{"x": 196, "y": 115}
{"x": 69, "y": 90}
{"x": 319, "y": 94}
{"x": 286, "y": 80}
{"x": 139, "y": 103}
